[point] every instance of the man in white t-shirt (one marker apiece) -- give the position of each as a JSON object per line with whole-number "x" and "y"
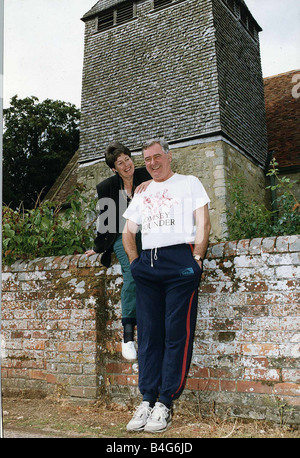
{"x": 174, "y": 220}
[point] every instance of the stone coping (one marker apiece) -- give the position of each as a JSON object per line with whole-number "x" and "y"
{"x": 256, "y": 246}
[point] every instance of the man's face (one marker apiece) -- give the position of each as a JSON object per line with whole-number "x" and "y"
{"x": 158, "y": 163}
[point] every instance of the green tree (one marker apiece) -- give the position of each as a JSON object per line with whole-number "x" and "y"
{"x": 38, "y": 141}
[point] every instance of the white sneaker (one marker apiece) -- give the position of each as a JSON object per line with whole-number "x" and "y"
{"x": 129, "y": 351}
{"x": 140, "y": 417}
{"x": 160, "y": 419}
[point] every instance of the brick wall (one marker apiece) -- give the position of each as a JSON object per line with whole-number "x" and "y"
{"x": 53, "y": 318}
{"x": 62, "y": 335}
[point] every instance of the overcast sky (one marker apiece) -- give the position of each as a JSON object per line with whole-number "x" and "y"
{"x": 43, "y": 44}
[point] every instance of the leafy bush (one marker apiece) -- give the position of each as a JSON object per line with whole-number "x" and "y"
{"x": 248, "y": 219}
{"x": 46, "y": 231}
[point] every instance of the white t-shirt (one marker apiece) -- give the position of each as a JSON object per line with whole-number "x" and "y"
{"x": 165, "y": 211}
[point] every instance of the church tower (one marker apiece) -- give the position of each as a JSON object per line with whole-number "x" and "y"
{"x": 185, "y": 70}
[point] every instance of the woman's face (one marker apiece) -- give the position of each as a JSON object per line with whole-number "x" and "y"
{"x": 124, "y": 166}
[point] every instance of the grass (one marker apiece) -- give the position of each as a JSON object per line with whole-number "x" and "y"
{"x": 58, "y": 417}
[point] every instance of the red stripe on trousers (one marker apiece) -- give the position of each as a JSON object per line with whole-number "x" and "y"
{"x": 188, "y": 333}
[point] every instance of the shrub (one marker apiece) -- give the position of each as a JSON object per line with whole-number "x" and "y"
{"x": 248, "y": 219}
{"x": 46, "y": 230}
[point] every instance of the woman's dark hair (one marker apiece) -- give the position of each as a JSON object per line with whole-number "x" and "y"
{"x": 113, "y": 151}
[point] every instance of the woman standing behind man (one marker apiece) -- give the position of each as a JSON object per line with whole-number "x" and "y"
{"x": 115, "y": 194}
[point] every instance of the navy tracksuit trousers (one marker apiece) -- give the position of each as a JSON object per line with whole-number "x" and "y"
{"x": 167, "y": 281}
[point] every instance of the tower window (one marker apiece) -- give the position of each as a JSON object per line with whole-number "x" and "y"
{"x": 105, "y": 20}
{"x": 116, "y": 16}
{"x": 241, "y": 13}
{"x": 161, "y": 3}
{"x": 158, "y": 4}
{"x": 124, "y": 13}
{"x": 251, "y": 28}
{"x": 231, "y": 5}
{"x": 244, "y": 16}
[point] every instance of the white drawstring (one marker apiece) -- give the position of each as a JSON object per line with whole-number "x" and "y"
{"x": 155, "y": 255}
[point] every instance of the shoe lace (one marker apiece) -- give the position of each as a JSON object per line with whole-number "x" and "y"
{"x": 159, "y": 411}
{"x": 139, "y": 411}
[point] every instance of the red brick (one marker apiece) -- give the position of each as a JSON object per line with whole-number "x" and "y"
{"x": 4, "y": 372}
{"x": 123, "y": 379}
{"x": 260, "y": 349}
{"x": 272, "y": 375}
{"x": 40, "y": 335}
{"x": 118, "y": 368}
{"x": 223, "y": 373}
{"x": 288, "y": 389}
{"x": 24, "y": 314}
{"x": 227, "y": 385}
{"x": 132, "y": 380}
{"x": 20, "y": 335}
{"x": 70, "y": 346}
{"x": 291, "y": 375}
{"x": 34, "y": 345}
{"x": 39, "y": 375}
{"x": 82, "y": 392}
{"x": 201, "y": 372}
{"x": 259, "y": 362}
{"x": 50, "y": 378}
{"x": 257, "y": 286}
{"x": 263, "y": 299}
{"x": 208, "y": 288}
{"x": 17, "y": 373}
{"x": 202, "y": 385}
{"x": 292, "y": 401}
{"x": 245, "y": 386}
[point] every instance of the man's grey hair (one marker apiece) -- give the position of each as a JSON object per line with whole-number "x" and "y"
{"x": 161, "y": 141}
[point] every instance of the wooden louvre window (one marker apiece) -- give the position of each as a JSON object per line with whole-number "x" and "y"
{"x": 116, "y": 16}
{"x": 124, "y": 13}
{"x": 251, "y": 27}
{"x": 244, "y": 16}
{"x": 161, "y": 3}
{"x": 105, "y": 20}
{"x": 231, "y": 5}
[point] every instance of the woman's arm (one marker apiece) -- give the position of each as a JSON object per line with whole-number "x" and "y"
{"x": 143, "y": 186}
{"x": 129, "y": 241}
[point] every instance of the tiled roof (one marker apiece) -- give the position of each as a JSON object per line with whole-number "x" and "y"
{"x": 100, "y": 6}
{"x": 65, "y": 183}
{"x": 283, "y": 117}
